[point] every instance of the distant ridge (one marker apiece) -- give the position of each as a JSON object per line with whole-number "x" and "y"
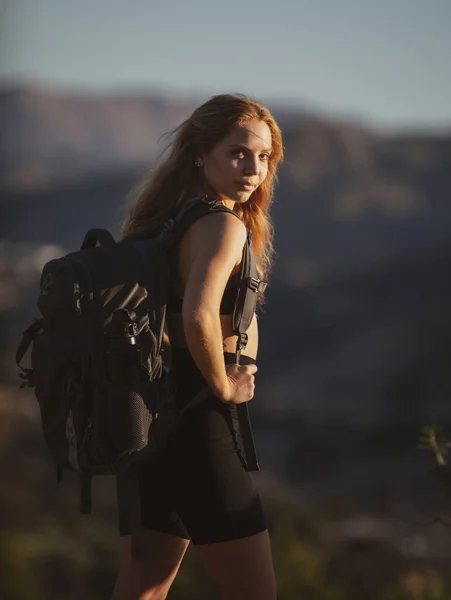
{"x": 348, "y": 194}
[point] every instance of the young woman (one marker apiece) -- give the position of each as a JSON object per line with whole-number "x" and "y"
{"x": 200, "y": 490}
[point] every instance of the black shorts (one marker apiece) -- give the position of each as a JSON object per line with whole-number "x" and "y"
{"x": 199, "y": 488}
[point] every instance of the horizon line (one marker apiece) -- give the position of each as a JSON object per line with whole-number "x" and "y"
{"x": 15, "y": 83}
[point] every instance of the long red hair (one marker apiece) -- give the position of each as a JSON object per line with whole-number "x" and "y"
{"x": 175, "y": 180}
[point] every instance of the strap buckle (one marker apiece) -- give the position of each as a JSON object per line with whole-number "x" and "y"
{"x": 242, "y": 340}
{"x": 167, "y": 226}
{"x": 256, "y": 284}
{"x": 241, "y": 344}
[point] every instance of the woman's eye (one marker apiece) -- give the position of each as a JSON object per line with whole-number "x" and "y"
{"x": 240, "y": 154}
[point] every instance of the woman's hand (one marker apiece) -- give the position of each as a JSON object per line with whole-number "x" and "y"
{"x": 241, "y": 384}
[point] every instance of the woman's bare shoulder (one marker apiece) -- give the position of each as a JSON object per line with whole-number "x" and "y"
{"x": 216, "y": 231}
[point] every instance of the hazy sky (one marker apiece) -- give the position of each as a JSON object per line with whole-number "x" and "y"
{"x": 385, "y": 62}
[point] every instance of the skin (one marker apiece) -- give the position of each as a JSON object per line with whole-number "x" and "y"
{"x": 242, "y": 156}
{"x": 208, "y": 253}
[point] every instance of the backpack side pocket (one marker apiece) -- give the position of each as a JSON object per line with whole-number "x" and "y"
{"x": 58, "y": 372}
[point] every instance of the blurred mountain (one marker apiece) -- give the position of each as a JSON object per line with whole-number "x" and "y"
{"x": 49, "y": 135}
{"x": 355, "y": 333}
{"x": 357, "y": 327}
{"x": 348, "y": 196}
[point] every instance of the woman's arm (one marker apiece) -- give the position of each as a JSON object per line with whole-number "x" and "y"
{"x": 216, "y": 245}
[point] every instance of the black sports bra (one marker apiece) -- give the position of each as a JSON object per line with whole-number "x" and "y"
{"x": 227, "y": 303}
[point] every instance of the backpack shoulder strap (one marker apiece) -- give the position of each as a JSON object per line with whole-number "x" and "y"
{"x": 173, "y": 229}
{"x": 250, "y": 283}
{"x": 250, "y": 286}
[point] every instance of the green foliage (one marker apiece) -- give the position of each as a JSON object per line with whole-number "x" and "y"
{"x": 430, "y": 440}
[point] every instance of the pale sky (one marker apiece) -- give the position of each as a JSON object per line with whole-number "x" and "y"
{"x": 386, "y": 62}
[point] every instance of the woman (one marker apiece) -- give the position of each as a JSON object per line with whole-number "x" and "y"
{"x": 200, "y": 489}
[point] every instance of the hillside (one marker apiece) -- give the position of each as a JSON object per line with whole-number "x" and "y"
{"x": 355, "y": 336}
{"x": 348, "y": 196}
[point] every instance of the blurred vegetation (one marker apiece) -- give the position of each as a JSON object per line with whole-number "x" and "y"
{"x": 50, "y": 552}
{"x": 431, "y": 439}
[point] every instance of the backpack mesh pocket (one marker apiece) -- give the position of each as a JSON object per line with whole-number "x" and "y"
{"x": 129, "y": 415}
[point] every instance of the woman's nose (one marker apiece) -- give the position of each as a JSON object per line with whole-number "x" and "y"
{"x": 251, "y": 166}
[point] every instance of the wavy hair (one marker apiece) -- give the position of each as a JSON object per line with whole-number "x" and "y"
{"x": 176, "y": 180}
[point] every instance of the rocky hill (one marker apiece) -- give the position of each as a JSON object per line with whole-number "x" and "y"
{"x": 356, "y": 327}
{"x": 355, "y": 334}
{"x": 348, "y": 196}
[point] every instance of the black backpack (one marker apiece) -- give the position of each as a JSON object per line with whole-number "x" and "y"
{"x": 96, "y": 365}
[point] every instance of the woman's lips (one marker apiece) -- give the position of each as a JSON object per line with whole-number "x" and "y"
{"x": 246, "y": 186}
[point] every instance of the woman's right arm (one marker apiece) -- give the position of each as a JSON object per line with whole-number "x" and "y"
{"x": 216, "y": 245}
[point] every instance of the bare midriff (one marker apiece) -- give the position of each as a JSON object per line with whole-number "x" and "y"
{"x": 228, "y": 339}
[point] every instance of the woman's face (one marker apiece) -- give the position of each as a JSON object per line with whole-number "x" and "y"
{"x": 238, "y": 164}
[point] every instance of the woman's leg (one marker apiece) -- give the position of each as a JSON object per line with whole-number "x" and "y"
{"x": 151, "y": 578}
{"x": 243, "y": 568}
{"x": 162, "y": 535}
{"x": 220, "y": 506}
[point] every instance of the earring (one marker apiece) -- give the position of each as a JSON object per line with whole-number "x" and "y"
{"x": 197, "y": 163}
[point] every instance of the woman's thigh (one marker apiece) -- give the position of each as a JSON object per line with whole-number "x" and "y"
{"x": 243, "y": 568}
{"x": 214, "y": 494}
{"x": 155, "y": 573}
